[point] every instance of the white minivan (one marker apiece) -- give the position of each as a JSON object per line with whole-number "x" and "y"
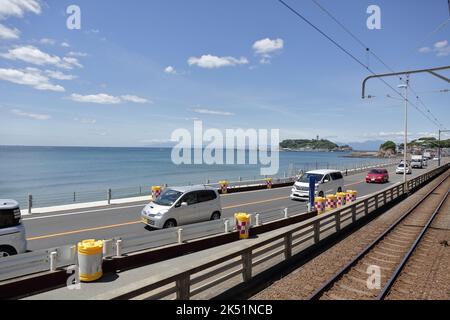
{"x": 327, "y": 182}
{"x": 12, "y": 231}
{"x": 182, "y": 205}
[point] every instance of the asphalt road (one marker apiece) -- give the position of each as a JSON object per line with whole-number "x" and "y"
{"x": 68, "y": 227}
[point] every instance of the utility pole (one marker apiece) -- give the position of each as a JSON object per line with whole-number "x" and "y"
{"x": 405, "y": 141}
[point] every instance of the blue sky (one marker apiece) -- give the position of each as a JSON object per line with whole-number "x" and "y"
{"x": 137, "y": 70}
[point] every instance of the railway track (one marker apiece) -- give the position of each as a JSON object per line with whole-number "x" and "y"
{"x": 372, "y": 273}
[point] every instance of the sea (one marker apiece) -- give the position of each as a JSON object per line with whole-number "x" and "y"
{"x": 59, "y": 175}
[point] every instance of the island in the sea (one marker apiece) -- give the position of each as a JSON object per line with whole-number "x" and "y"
{"x": 322, "y": 145}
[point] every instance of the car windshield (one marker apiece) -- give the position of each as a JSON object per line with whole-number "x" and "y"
{"x": 400, "y": 165}
{"x": 305, "y": 177}
{"x": 168, "y": 197}
{"x": 375, "y": 171}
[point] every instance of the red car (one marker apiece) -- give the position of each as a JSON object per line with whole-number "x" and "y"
{"x": 379, "y": 175}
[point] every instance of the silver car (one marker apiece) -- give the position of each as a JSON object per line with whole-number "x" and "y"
{"x": 182, "y": 205}
{"x": 12, "y": 231}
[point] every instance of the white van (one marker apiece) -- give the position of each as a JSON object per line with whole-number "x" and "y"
{"x": 182, "y": 205}
{"x": 327, "y": 182}
{"x": 12, "y": 231}
{"x": 417, "y": 161}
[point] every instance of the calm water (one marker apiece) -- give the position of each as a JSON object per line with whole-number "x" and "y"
{"x": 53, "y": 174}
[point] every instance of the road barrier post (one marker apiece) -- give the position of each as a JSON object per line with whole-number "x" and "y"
{"x": 30, "y": 203}
{"x": 109, "y": 196}
{"x": 180, "y": 235}
{"x": 53, "y": 261}
{"x": 223, "y": 186}
{"x": 227, "y": 225}
{"x": 257, "y": 220}
{"x": 243, "y": 224}
{"x": 285, "y": 211}
{"x": 319, "y": 203}
{"x": 74, "y": 197}
{"x": 156, "y": 192}
{"x": 119, "y": 248}
{"x": 90, "y": 259}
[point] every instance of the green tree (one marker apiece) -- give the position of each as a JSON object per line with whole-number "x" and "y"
{"x": 389, "y": 145}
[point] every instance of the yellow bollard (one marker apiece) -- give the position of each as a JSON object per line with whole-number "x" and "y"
{"x": 224, "y": 186}
{"x": 319, "y": 203}
{"x": 269, "y": 182}
{"x": 156, "y": 192}
{"x": 90, "y": 258}
{"x": 331, "y": 202}
{"x": 242, "y": 224}
{"x": 351, "y": 196}
{"x": 341, "y": 199}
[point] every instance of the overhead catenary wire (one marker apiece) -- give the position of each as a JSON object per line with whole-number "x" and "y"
{"x": 369, "y": 51}
{"x": 353, "y": 57}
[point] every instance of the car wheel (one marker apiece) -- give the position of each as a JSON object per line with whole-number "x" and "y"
{"x": 6, "y": 251}
{"x": 170, "y": 224}
{"x": 321, "y": 194}
{"x": 215, "y": 215}
{"x": 339, "y": 189}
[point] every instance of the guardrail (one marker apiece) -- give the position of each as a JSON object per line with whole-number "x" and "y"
{"x": 202, "y": 275}
{"x": 51, "y": 259}
{"x": 108, "y": 194}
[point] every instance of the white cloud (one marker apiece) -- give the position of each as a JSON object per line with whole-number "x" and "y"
{"x": 170, "y": 70}
{"x": 210, "y": 62}
{"x": 77, "y": 54}
{"x": 100, "y": 98}
{"x": 35, "y": 56}
{"x": 441, "y": 48}
{"x": 441, "y": 44}
{"x": 47, "y": 41}
{"x": 34, "y": 116}
{"x": 265, "y": 48}
{"x": 213, "y": 112}
{"x": 424, "y": 50}
{"x": 134, "y": 99}
{"x": 65, "y": 45}
{"x": 103, "y": 98}
{"x": 72, "y": 62}
{"x": 59, "y": 75}
{"x": 8, "y": 33}
{"x": 17, "y": 8}
{"x": 30, "y": 77}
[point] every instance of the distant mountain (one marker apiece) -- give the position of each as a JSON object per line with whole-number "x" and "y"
{"x": 369, "y": 145}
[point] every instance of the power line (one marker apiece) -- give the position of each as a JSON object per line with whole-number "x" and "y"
{"x": 352, "y": 56}
{"x": 373, "y": 53}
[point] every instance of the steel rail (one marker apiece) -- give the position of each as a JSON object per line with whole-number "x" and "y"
{"x": 402, "y": 264}
{"x": 333, "y": 279}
